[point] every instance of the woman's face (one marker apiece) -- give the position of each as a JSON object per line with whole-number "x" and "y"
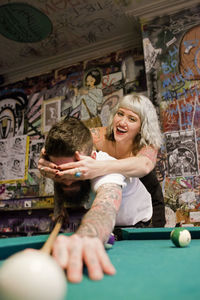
{"x": 126, "y": 125}
{"x": 90, "y": 81}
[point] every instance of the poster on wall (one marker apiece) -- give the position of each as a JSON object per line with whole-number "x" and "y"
{"x": 34, "y": 154}
{"x": 182, "y": 156}
{"x": 14, "y": 159}
{"x": 51, "y": 109}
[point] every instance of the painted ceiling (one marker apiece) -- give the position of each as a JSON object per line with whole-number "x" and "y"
{"x": 34, "y": 33}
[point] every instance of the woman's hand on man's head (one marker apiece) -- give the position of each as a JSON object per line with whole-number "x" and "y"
{"x": 83, "y": 168}
{"x": 46, "y": 168}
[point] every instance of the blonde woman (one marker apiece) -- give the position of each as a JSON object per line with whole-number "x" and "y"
{"x": 133, "y": 137}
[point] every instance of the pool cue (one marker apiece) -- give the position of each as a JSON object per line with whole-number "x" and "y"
{"x": 47, "y": 247}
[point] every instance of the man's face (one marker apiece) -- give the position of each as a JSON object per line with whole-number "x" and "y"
{"x": 65, "y": 184}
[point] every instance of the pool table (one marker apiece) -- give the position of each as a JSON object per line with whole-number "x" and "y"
{"x": 148, "y": 266}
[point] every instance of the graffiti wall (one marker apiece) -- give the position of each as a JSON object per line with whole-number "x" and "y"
{"x": 172, "y": 60}
{"x": 87, "y": 90}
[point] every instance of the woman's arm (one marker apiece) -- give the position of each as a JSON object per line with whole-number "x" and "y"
{"x": 135, "y": 166}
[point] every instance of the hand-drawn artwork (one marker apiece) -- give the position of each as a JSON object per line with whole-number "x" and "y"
{"x": 33, "y": 114}
{"x": 51, "y": 112}
{"x": 16, "y": 167}
{"x": 182, "y": 157}
{"x": 189, "y": 217}
{"x": 187, "y": 200}
{"x": 170, "y": 216}
{"x": 27, "y": 25}
{"x": 102, "y": 85}
{"x": 34, "y": 153}
{"x": 109, "y": 103}
{"x": 112, "y": 82}
{"x": 2, "y": 148}
{"x": 15, "y": 159}
{"x": 12, "y": 107}
{"x": 17, "y": 145}
{"x": 180, "y": 115}
{"x": 90, "y": 97}
{"x": 2, "y": 170}
{"x": 150, "y": 54}
{"x": 190, "y": 53}
{"x": 134, "y": 75}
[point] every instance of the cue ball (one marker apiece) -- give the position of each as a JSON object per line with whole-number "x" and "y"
{"x": 181, "y": 237}
{"x": 32, "y": 275}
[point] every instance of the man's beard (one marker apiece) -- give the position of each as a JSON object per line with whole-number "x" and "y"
{"x": 76, "y": 195}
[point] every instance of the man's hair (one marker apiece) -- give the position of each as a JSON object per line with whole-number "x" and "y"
{"x": 68, "y": 136}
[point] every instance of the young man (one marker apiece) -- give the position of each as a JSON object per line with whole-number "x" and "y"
{"x": 100, "y": 215}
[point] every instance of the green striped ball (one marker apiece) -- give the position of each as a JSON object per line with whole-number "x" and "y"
{"x": 180, "y": 237}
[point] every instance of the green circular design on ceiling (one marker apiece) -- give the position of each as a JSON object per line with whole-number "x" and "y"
{"x": 24, "y": 23}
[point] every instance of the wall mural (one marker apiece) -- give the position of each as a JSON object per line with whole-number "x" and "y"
{"x": 172, "y": 60}
{"x": 88, "y": 90}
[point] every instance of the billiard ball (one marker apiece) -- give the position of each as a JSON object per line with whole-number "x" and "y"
{"x": 32, "y": 275}
{"x": 110, "y": 242}
{"x": 180, "y": 237}
{"x": 111, "y": 239}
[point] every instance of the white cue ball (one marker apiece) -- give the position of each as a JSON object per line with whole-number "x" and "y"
{"x": 32, "y": 275}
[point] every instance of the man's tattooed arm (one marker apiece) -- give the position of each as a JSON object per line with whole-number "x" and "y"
{"x": 99, "y": 221}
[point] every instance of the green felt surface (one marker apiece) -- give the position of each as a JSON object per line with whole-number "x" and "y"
{"x": 152, "y": 269}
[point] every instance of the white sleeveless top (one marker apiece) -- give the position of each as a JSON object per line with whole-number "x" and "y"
{"x": 136, "y": 203}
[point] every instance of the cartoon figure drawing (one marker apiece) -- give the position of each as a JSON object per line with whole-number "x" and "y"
{"x": 90, "y": 97}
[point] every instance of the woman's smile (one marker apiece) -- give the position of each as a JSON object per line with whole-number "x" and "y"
{"x": 126, "y": 124}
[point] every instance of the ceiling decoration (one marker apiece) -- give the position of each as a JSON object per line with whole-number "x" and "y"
{"x": 24, "y": 23}
{"x": 39, "y": 36}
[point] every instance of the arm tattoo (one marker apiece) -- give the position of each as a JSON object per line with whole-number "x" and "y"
{"x": 99, "y": 221}
{"x": 149, "y": 152}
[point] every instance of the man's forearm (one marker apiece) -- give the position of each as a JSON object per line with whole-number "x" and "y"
{"x": 100, "y": 219}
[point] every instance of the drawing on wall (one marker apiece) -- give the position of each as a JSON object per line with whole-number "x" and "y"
{"x": 190, "y": 53}
{"x": 150, "y": 54}
{"x": 172, "y": 61}
{"x": 51, "y": 112}
{"x": 33, "y": 115}
{"x": 35, "y": 148}
{"x": 12, "y": 108}
{"x": 48, "y": 102}
{"x": 182, "y": 159}
{"x": 109, "y": 103}
{"x": 90, "y": 98}
{"x": 14, "y": 160}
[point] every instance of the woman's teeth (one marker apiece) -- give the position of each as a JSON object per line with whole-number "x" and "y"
{"x": 121, "y": 130}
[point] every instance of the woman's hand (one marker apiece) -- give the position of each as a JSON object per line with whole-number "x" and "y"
{"x": 71, "y": 252}
{"x": 84, "y": 168}
{"x": 47, "y": 168}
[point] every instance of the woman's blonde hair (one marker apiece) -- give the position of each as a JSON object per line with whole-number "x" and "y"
{"x": 150, "y": 133}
